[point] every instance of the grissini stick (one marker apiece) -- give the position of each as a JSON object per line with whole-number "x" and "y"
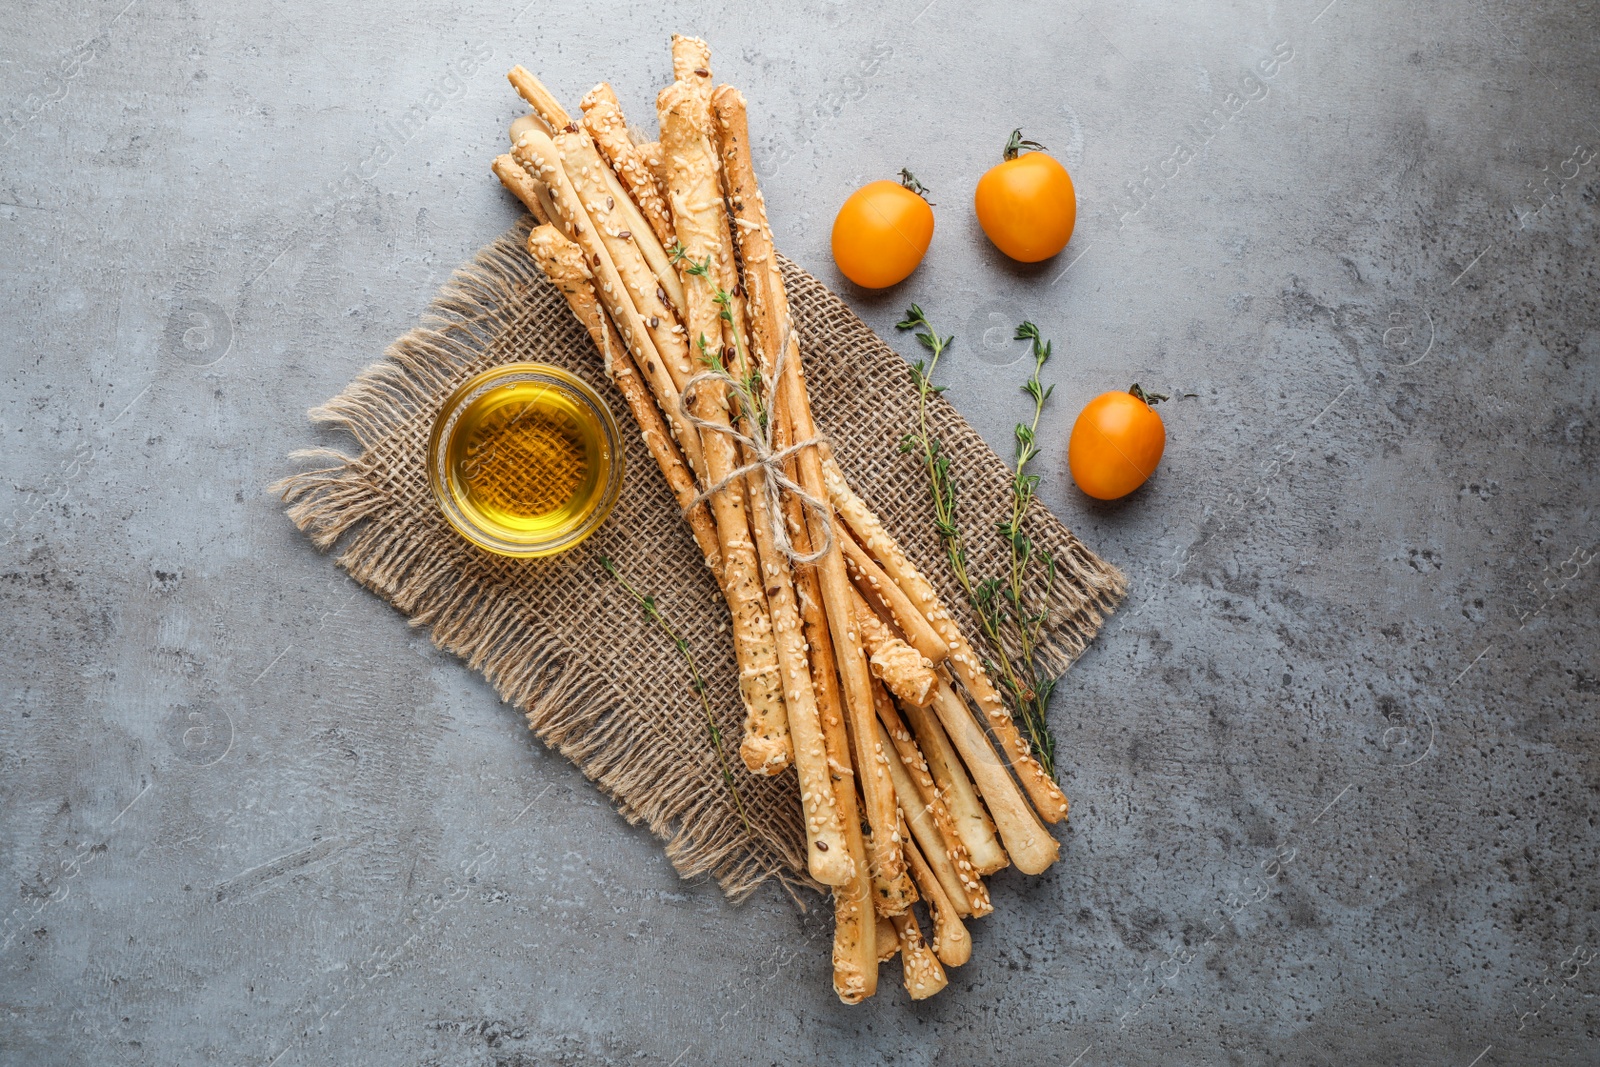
{"x": 951, "y": 942}
{"x": 602, "y": 114}
{"x": 855, "y": 961}
{"x": 888, "y": 940}
{"x": 532, "y": 90}
{"x": 945, "y": 850}
{"x": 1030, "y": 845}
{"x": 586, "y": 170}
{"x": 523, "y": 123}
{"x": 654, "y": 252}
{"x": 889, "y": 898}
{"x": 522, "y": 186}
{"x": 893, "y": 662}
{"x": 880, "y": 591}
{"x": 971, "y": 820}
{"x": 697, "y": 216}
{"x": 562, "y": 261}
{"x": 919, "y": 964}
{"x": 766, "y": 746}
{"x": 922, "y": 829}
{"x": 1045, "y": 794}
{"x": 827, "y": 856}
{"x": 691, "y": 64}
{"x": 539, "y": 155}
{"x": 770, "y": 316}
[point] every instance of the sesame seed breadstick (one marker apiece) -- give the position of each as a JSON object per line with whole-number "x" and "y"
{"x": 769, "y": 310}
{"x": 930, "y": 818}
{"x": 855, "y": 962}
{"x": 522, "y": 185}
{"x": 826, "y": 855}
{"x": 523, "y": 123}
{"x": 562, "y": 261}
{"x": 880, "y": 591}
{"x": 1045, "y": 794}
{"x": 922, "y": 830}
{"x": 888, "y": 940}
{"x": 691, "y": 64}
{"x": 893, "y": 662}
{"x": 603, "y": 117}
{"x": 698, "y": 216}
{"x": 971, "y": 820}
{"x": 1030, "y": 845}
{"x": 587, "y": 172}
{"x": 951, "y": 942}
{"x": 539, "y": 155}
{"x": 544, "y": 105}
{"x": 919, "y": 964}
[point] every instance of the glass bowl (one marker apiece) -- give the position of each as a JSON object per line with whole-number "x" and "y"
{"x": 525, "y": 460}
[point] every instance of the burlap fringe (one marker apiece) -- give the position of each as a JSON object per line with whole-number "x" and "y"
{"x": 580, "y": 715}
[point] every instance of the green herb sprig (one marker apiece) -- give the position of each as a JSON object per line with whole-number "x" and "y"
{"x": 653, "y": 612}
{"x": 1000, "y": 604}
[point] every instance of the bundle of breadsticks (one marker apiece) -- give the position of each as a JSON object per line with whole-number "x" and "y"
{"x": 850, "y": 669}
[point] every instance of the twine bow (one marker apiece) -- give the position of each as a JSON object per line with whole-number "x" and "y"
{"x": 768, "y": 460}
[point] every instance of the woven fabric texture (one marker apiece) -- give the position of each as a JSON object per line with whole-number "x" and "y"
{"x": 558, "y": 639}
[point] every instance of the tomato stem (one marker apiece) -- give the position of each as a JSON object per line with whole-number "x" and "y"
{"x": 1150, "y": 399}
{"x": 909, "y": 180}
{"x": 1016, "y": 144}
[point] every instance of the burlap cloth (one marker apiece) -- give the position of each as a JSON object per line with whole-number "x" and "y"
{"x": 559, "y": 640}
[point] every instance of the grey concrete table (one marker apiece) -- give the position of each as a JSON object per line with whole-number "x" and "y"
{"x": 1334, "y": 764}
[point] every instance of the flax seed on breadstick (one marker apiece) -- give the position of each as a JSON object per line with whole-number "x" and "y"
{"x": 880, "y": 591}
{"x": 1042, "y": 790}
{"x": 769, "y": 310}
{"x": 972, "y": 822}
{"x": 1027, "y": 841}
{"x": 691, "y": 64}
{"x": 951, "y": 942}
{"x": 930, "y": 818}
{"x": 562, "y": 261}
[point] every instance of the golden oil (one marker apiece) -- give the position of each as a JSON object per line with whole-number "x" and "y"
{"x": 525, "y": 460}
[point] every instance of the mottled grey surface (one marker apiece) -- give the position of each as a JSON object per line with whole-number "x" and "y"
{"x": 1334, "y": 764}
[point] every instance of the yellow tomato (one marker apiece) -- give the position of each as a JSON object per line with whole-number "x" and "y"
{"x": 1116, "y": 444}
{"x": 881, "y": 234}
{"x": 1026, "y": 204}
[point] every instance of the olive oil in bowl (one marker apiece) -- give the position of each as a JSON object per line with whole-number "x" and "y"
{"x": 525, "y": 460}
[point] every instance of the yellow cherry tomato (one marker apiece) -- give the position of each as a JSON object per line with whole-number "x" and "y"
{"x": 1026, "y": 204}
{"x": 1116, "y": 443}
{"x": 882, "y": 233}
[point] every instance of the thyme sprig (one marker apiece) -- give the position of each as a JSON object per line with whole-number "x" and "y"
{"x": 653, "y": 612}
{"x": 1002, "y": 609}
